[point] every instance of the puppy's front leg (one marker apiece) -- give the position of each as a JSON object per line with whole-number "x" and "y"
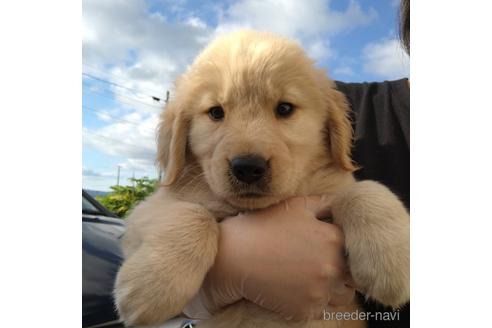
{"x": 169, "y": 246}
{"x": 376, "y": 226}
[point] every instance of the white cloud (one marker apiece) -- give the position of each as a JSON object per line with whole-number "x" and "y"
{"x": 148, "y": 52}
{"x": 196, "y": 22}
{"x": 386, "y": 59}
{"x": 319, "y": 49}
{"x": 140, "y": 51}
{"x": 310, "y": 22}
{"x": 344, "y": 71}
{"x": 96, "y": 180}
{"x": 91, "y": 173}
{"x": 101, "y": 183}
{"x": 143, "y": 49}
{"x": 132, "y": 138}
{"x": 295, "y": 18}
{"x": 140, "y": 165}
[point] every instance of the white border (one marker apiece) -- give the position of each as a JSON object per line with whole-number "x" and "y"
{"x": 450, "y": 154}
{"x": 40, "y": 133}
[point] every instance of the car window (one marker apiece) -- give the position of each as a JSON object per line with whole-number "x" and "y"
{"x": 87, "y": 206}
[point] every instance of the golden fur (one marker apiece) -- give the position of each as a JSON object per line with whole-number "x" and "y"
{"x": 171, "y": 238}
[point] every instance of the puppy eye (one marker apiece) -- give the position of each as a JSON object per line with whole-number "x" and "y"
{"x": 216, "y": 113}
{"x": 284, "y": 109}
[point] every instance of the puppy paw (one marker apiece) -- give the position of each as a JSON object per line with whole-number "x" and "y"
{"x": 166, "y": 271}
{"x": 376, "y": 226}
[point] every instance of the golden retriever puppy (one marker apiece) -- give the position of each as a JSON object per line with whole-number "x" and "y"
{"x": 252, "y": 123}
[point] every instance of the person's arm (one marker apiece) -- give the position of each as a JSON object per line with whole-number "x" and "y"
{"x": 273, "y": 258}
{"x": 381, "y": 121}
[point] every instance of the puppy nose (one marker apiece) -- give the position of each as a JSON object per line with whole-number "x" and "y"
{"x": 249, "y": 168}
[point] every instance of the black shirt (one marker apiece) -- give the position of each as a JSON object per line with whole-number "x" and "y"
{"x": 381, "y": 123}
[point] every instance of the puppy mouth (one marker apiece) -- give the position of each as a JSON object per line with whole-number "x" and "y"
{"x": 244, "y": 191}
{"x": 247, "y": 196}
{"x": 251, "y": 200}
{"x": 251, "y": 195}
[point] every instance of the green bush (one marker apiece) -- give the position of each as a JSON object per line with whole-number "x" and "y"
{"x": 124, "y": 198}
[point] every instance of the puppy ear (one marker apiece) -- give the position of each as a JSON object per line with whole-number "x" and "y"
{"x": 339, "y": 128}
{"x": 171, "y": 142}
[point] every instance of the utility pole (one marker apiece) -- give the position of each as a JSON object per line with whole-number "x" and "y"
{"x": 166, "y": 100}
{"x": 118, "y": 177}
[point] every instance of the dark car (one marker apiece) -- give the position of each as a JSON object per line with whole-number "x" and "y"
{"x": 101, "y": 258}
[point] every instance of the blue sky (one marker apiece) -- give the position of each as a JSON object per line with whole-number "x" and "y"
{"x": 134, "y": 49}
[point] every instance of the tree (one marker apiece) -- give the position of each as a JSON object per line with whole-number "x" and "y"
{"x": 124, "y": 198}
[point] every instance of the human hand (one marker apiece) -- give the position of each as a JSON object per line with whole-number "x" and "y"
{"x": 282, "y": 258}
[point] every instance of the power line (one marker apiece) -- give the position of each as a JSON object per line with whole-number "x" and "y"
{"x": 125, "y": 97}
{"x": 121, "y": 86}
{"x": 102, "y": 94}
{"x": 116, "y": 77}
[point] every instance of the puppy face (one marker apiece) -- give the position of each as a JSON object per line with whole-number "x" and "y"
{"x": 257, "y": 117}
